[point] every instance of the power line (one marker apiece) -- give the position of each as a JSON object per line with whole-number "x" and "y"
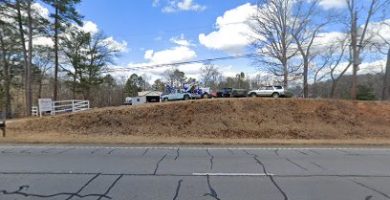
{"x": 209, "y": 60}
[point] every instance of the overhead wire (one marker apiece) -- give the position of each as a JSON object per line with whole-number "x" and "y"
{"x": 206, "y": 61}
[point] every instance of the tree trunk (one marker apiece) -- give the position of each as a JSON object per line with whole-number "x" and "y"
{"x": 305, "y": 77}
{"x": 335, "y": 81}
{"x": 333, "y": 89}
{"x": 7, "y": 81}
{"x": 355, "y": 55}
{"x": 386, "y": 79}
{"x": 25, "y": 55}
{"x": 40, "y": 87}
{"x": 74, "y": 85}
{"x": 285, "y": 75}
{"x": 56, "y": 49}
{"x": 29, "y": 63}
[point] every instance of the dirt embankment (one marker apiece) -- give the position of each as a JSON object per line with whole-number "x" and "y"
{"x": 225, "y": 119}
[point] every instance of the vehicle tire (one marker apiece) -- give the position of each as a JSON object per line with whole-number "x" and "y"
{"x": 165, "y": 100}
{"x": 253, "y": 95}
{"x": 275, "y": 95}
{"x": 186, "y": 97}
{"x": 205, "y": 96}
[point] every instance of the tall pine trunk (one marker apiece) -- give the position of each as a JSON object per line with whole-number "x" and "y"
{"x": 25, "y": 54}
{"x": 7, "y": 80}
{"x": 56, "y": 49}
{"x": 30, "y": 55}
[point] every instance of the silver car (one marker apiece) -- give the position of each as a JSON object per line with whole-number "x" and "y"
{"x": 268, "y": 91}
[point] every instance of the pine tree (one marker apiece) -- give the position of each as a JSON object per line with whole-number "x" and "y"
{"x": 64, "y": 14}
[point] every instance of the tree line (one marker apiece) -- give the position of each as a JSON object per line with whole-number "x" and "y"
{"x": 68, "y": 63}
{"x": 51, "y": 56}
{"x": 286, "y": 34}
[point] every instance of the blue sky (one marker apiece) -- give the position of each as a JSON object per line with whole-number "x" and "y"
{"x": 147, "y": 27}
{"x": 167, "y": 31}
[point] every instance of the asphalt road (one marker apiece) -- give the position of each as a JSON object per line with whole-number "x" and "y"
{"x": 127, "y": 173}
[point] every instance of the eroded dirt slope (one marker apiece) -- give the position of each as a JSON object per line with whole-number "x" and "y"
{"x": 226, "y": 118}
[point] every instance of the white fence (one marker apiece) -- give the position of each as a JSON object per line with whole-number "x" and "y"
{"x": 68, "y": 106}
{"x": 35, "y": 111}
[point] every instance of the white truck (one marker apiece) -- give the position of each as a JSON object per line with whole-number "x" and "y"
{"x": 178, "y": 95}
{"x": 268, "y": 91}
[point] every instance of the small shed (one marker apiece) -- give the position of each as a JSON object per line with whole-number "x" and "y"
{"x": 147, "y": 97}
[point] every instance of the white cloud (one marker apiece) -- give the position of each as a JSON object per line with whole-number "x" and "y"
{"x": 181, "y": 41}
{"x": 175, "y": 54}
{"x": 379, "y": 31}
{"x": 41, "y": 10}
{"x": 333, "y": 4}
{"x": 233, "y": 33}
{"x": 43, "y": 41}
{"x": 171, "y": 55}
{"x": 115, "y": 45}
{"x": 90, "y": 27}
{"x": 326, "y": 40}
{"x": 180, "y": 5}
{"x": 377, "y": 66}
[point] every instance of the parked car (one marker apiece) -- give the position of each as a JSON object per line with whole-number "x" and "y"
{"x": 231, "y": 92}
{"x": 268, "y": 91}
{"x": 205, "y": 93}
{"x": 179, "y": 95}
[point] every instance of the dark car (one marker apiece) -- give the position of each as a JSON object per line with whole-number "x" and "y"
{"x": 231, "y": 92}
{"x": 225, "y": 92}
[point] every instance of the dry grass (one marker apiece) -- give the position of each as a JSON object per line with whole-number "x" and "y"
{"x": 139, "y": 140}
{"x": 222, "y": 121}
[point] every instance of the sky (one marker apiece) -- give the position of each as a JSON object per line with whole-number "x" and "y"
{"x": 149, "y": 32}
{"x": 160, "y": 32}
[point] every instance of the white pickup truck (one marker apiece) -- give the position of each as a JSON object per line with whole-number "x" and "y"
{"x": 179, "y": 95}
{"x": 268, "y": 91}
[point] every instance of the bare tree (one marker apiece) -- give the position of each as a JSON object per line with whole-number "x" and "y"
{"x": 358, "y": 35}
{"x": 319, "y": 73}
{"x": 273, "y": 41}
{"x": 175, "y": 77}
{"x": 337, "y": 55}
{"x": 211, "y": 77}
{"x": 384, "y": 42}
{"x": 307, "y": 28}
{"x": 42, "y": 60}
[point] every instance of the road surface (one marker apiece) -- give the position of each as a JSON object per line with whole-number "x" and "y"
{"x": 186, "y": 173}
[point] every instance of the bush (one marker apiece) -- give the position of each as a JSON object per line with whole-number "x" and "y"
{"x": 365, "y": 93}
{"x": 288, "y": 94}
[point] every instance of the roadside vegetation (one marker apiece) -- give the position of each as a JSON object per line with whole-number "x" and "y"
{"x": 230, "y": 119}
{"x": 75, "y": 64}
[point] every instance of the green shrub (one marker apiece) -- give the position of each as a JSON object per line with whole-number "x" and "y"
{"x": 365, "y": 93}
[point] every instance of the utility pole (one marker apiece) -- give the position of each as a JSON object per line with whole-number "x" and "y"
{"x": 386, "y": 79}
{"x": 355, "y": 53}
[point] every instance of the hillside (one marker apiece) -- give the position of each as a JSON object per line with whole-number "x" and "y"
{"x": 225, "y": 118}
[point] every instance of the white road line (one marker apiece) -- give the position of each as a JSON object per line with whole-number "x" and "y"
{"x": 232, "y": 174}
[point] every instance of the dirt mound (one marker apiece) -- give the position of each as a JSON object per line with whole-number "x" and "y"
{"x": 226, "y": 118}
